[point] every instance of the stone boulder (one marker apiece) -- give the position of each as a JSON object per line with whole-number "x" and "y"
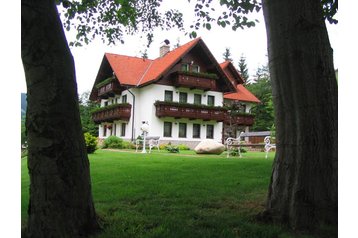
{"x": 209, "y": 146}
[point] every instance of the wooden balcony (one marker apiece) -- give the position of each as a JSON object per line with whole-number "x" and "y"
{"x": 244, "y": 120}
{"x": 112, "y": 112}
{"x": 108, "y": 88}
{"x": 192, "y": 80}
{"x": 190, "y": 111}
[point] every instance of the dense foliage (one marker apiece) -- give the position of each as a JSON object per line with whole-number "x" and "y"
{"x": 91, "y": 143}
{"x": 113, "y": 142}
{"x": 264, "y": 111}
{"x": 86, "y": 108}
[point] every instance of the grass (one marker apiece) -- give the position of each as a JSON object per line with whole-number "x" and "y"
{"x": 177, "y": 195}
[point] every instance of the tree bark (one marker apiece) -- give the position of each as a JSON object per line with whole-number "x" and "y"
{"x": 61, "y": 202}
{"x": 304, "y": 184}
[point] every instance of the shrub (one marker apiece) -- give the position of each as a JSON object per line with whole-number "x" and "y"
{"x": 183, "y": 147}
{"x": 163, "y": 146}
{"x": 113, "y": 142}
{"x": 172, "y": 149}
{"x": 235, "y": 152}
{"x": 91, "y": 142}
{"x": 128, "y": 145}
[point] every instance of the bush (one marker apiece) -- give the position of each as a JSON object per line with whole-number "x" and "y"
{"x": 183, "y": 147}
{"x": 113, "y": 142}
{"x": 163, "y": 146}
{"x": 172, "y": 149}
{"x": 91, "y": 142}
{"x": 128, "y": 145}
{"x": 235, "y": 152}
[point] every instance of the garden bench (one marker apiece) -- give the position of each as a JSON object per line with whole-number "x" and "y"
{"x": 153, "y": 141}
{"x": 232, "y": 143}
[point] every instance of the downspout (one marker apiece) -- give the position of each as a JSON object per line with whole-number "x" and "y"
{"x": 133, "y": 114}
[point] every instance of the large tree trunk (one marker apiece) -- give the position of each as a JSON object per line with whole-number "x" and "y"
{"x": 304, "y": 185}
{"x": 61, "y": 202}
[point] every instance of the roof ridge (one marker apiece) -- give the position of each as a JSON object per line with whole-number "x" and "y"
{"x": 178, "y": 48}
{"x": 145, "y": 72}
{"x": 136, "y": 57}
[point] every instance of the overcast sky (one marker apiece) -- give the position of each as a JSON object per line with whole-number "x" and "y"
{"x": 250, "y": 42}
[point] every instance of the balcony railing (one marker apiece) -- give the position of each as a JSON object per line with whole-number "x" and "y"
{"x": 246, "y": 120}
{"x": 192, "y": 80}
{"x": 190, "y": 111}
{"x": 206, "y": 113}
{"x": 108, "y": 88}
{"x": 112, "y": 112}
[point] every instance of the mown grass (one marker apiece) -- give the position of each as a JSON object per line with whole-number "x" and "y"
{"x": 177, "y": 195}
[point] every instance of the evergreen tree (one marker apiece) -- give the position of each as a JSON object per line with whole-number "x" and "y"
{"x": 227, "y": 54}
{"x": 86, "y": 107}
{"x": 244, "y": 72}
{"x": 264, "y": 111}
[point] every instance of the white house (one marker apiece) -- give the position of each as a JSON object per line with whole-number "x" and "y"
{"x": 180, "y": 94}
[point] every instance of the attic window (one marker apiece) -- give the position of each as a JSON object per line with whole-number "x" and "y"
{"x": 185, "y": 67}
{"x": 195, "y": 68}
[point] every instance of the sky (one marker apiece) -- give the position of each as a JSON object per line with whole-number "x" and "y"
{"x": 248, "y": 42}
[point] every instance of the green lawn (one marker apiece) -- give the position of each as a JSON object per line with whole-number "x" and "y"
{"x": 177, "y": 195}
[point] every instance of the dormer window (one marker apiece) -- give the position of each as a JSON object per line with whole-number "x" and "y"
{"x": 195, "y": 68}
{"x": 185, "y": 67}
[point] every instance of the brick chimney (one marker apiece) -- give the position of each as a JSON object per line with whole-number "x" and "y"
{"x": 163, "y": 50}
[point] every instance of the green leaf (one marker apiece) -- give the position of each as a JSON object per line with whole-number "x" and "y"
{"x": 208, "y": 26}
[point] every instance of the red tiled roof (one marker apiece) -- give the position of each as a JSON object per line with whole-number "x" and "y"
{"x": 137, "y": 71}
{"x": 242, "y": 94}
{"x": 163, "y": 64}
{"x": 128, "y": 75}
{"x": 234, "y": 76}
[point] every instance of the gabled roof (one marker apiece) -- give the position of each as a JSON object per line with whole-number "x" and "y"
{"x": 135, "y": 71}
{"x": 162, "y": 64}
{"x": 232, "y": 73}
{"x": 128, "y": 75}
{"x": 241, "y": 94}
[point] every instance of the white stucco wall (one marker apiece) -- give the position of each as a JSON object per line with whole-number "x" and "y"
{"x": 144, "y": 110}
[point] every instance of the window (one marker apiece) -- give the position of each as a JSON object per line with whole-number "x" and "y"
{"x": 210, "y": 131}
{"x": 196, "y": 130}
{"x": 106, "y": 103}
{"x": 124, "y": 99}
{"x": 182, "y": 130}
{"x": 195, "y": 68}
{"x": 183, "y": 97}
{"x": 243, "y": 108}
{"x": 185, "y": 67}
{"x": 211, "y": 100}
{"x": 123, "y": 129}
{"x": 167, "y": 129}
{"x": 197, "y": 98}
{"x": 104, "y": 131}
{"x": 168, "y": 96}
{"x": 114, "y": 128}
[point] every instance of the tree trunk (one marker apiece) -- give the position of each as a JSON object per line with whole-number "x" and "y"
{"x": 61, "y": 202}
{"x": 304, "y": 184}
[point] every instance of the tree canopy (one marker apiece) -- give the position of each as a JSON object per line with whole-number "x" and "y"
{"x": 264, "y": 111}
{"x": 112, "y": 19}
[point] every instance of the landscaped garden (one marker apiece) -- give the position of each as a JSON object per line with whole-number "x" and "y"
{"x": 177, "y": 195}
